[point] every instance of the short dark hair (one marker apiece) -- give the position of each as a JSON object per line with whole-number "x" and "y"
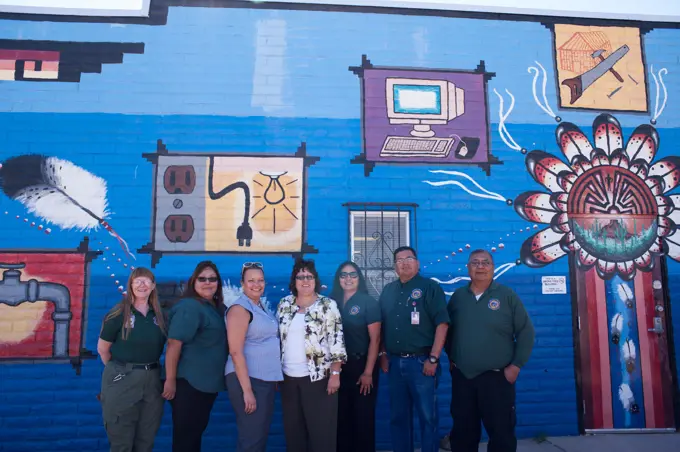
{"x": 404, "y": 248}
{"x": 481, "y": 251}
{"x": 337, "y": 293}
{"x": 301, "y": 264}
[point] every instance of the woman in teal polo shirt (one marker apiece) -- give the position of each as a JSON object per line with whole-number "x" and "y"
{"x": 196, "y": 356}
{"x": 130, "y": 344}
{"x": 359, "y": 378}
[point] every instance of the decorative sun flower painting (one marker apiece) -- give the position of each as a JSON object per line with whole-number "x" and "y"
{"x": 609, "y": 205}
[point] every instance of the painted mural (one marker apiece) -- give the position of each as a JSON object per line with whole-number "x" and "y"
{"x": 228, "y": 203}
{"x": 43, "y": 304}
{"x": 600, "y": 68}
{"x": 424, "y": 116}
{"x": 610, "y": 205}
{"x": 45, "y": 61}
{"x": 235, "y": 102}
{"x": 610, "y": 210}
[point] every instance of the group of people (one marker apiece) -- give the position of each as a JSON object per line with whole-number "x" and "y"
{"x": 323, "y": 354}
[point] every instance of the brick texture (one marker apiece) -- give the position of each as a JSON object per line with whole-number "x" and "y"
{"x": 251, "y": 82}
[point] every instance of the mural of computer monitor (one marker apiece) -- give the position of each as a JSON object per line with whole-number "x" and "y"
{"x": 423, "y": 103}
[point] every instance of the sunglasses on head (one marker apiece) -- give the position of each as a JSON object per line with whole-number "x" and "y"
{"x": 207, "y": 279}
{"x": 253, "y": 265}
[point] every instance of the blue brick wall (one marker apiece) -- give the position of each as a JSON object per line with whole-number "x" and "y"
{"x": 204, "y": 85}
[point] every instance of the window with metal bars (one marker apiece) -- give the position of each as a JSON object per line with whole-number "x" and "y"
{"x": 375, "y": 231}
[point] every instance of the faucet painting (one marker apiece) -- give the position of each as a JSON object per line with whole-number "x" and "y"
{"x": 13, "y": 292}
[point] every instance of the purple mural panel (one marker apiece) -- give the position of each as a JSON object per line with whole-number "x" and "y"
{"x": 424, "y": 116}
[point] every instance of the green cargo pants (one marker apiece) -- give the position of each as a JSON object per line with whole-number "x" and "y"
{"x": 132, "y": 406}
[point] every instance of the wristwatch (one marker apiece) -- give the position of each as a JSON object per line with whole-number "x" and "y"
{"x": 433, "y": 359}
{"x": 335, "y": 372}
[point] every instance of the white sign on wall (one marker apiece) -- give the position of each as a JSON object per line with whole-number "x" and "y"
{"x": 647, "y": 10}
{"x": 554, "y": 284}
{"x": 113, "y": 8}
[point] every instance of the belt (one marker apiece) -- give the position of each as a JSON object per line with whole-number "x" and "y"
{"x": 423, "y": 352}
{"x": 149, "y": 366}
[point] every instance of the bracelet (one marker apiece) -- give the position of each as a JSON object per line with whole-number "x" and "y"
{"x": 381, "y": 354}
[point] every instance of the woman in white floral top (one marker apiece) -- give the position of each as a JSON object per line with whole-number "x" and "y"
{"x": 312, "y": 354}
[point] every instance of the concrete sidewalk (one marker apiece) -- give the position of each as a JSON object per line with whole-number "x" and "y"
{"x": 658, "y": 442}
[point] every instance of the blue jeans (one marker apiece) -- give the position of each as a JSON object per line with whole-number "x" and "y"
{"x": 409, "y": 387}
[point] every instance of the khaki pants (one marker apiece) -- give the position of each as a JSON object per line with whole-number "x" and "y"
{"x": 132, "y": 407}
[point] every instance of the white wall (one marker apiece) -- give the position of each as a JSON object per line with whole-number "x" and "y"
{"x": 645, "y": 10}
{"x": 78, "y": 7}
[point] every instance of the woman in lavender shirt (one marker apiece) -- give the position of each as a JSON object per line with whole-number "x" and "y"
{"x": 254, "y": 364}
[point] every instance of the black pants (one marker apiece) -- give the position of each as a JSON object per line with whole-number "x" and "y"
{"x": 356, "y": 412}
{"x": 488, "y": 398}
{"x": 310, "y": 415}
{"x": 190, "y": 415}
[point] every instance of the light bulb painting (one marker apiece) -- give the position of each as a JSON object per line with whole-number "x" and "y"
{"x": 228, "y": 203}
{"x": 277, "y": 201}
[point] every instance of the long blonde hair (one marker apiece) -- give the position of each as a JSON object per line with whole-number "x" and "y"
{"x": 125, "y": 306}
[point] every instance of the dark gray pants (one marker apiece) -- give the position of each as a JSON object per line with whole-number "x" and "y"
{"x": 253, "y": 429}
{"x": 310, "y": 415}
{"x": 132, "y": 407}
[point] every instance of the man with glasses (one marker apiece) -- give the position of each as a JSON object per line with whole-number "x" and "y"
{"x": 490, "y": 339}
{"x": 414, "y": 326}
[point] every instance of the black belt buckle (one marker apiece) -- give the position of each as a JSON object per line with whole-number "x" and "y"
{"x": 149, "y": 366}
{"x": 424, "y": 352}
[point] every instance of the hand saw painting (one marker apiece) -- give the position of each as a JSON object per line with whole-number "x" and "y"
{"x": 600, "y": 68}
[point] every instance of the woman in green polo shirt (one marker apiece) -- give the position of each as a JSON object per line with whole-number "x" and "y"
{"x": 196, "y": 356}
{"x": 359, "y": 378}
{"x": 130, "y": 344}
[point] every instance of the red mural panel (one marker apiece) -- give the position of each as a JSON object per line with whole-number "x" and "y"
{"x": 41, "y": 304}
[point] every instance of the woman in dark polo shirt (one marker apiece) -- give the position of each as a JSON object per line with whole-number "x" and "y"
{"x": 359, "y": 377}
{"x": 130, "y": 344}
{"x": 196, "y": 356}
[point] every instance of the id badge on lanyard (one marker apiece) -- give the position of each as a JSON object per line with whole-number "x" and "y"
{"x": 415, "y": 315}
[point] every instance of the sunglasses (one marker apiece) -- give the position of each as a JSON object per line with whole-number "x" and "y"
{"x": 352, "y": 275}
{"x": 304, "y": 277}
{"x": 252, "y": 265}
{"x": 204, "y": 279}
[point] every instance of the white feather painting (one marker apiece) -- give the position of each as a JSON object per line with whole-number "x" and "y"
{"x": 626, "y": 397}
{"x": 626, "y": 294}
{"x": 628, "y": 354}
{"x": 59, "y": 192}
{"x": 66, "y": 195}
{"x": 616, "y": 327}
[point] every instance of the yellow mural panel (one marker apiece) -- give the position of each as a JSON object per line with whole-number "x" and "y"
{"x": 275, "y": 186}
{"x": 600, "y": 68}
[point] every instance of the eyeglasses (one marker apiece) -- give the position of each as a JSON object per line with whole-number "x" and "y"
{"x": 405, "y": 260}
{"x": 207, "y": 279}
{"x": 305, "y": 277}
{"x": 352, "y": 275}
{"x": 252, "y": 265}
{"x": 485, "y": 263}
{"x": 141, "y": 281}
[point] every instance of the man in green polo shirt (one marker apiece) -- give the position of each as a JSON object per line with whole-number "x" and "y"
{"x": 414, "y": 325}
{"x": 490, "y": 339}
